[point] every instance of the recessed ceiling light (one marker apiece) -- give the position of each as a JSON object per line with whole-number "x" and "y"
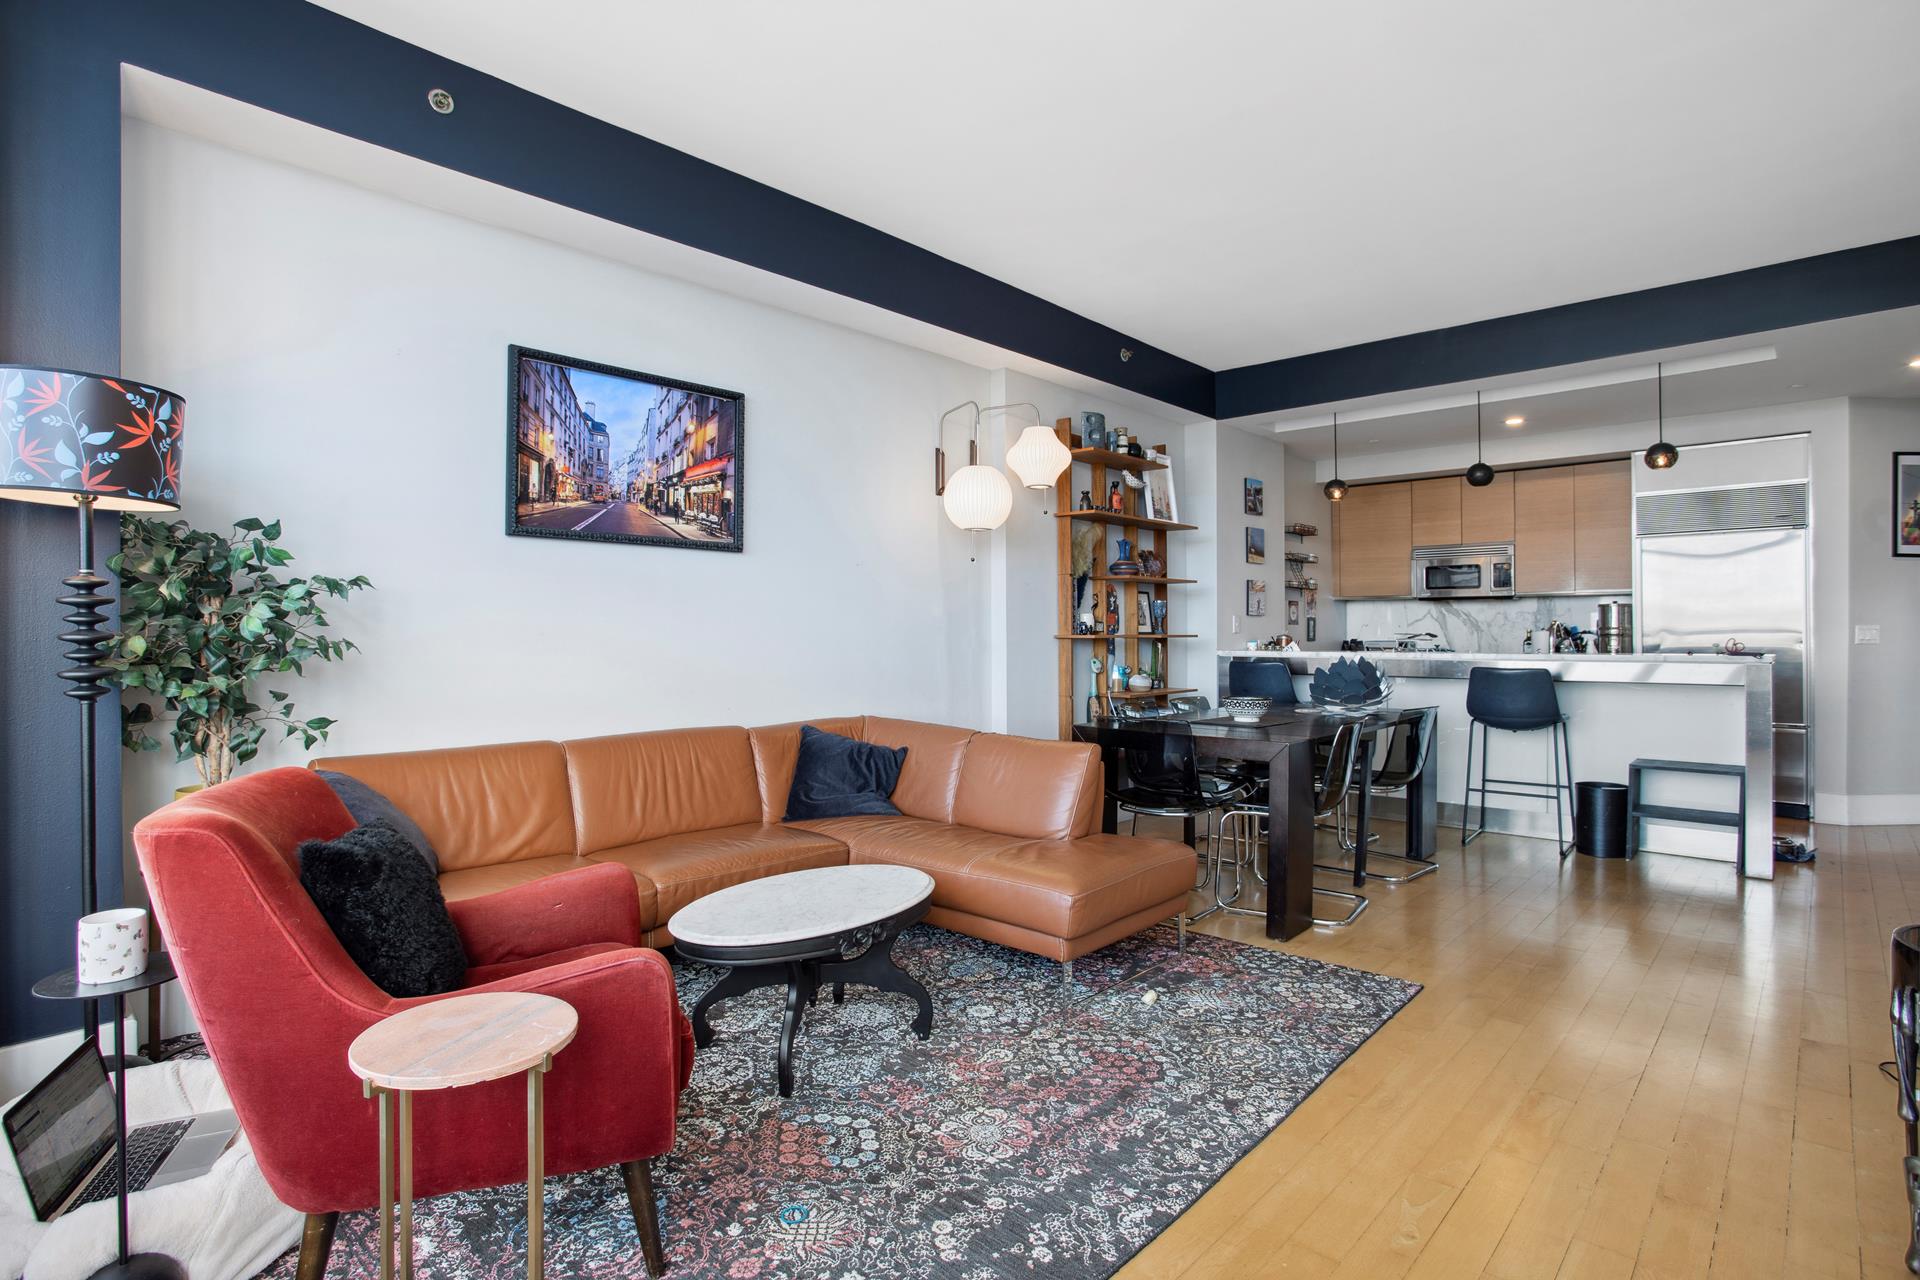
{"x": 1516, "y": 421}
{"x": 1914, "y": 363}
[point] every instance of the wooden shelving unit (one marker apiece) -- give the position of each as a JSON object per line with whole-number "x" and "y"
{"x": 1090, "y": 472}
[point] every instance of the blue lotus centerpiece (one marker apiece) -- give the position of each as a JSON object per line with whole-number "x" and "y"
{"x": 1350, "y": 687}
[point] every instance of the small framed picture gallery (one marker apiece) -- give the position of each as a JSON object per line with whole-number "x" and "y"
{"x": 1906, "y": 504}
{"x": 1256, "y": 545}
{"x": 1256, "y": 497}
{"x": 1256, "y": 597}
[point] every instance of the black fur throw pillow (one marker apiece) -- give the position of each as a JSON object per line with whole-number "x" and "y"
{"x": 384, "y": 904}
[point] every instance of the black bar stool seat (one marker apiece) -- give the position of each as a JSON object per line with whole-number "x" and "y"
{"x": 1517, "y": 700}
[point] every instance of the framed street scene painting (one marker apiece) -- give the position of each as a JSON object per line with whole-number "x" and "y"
{"x": 1906, "y": 504}
{"x": 1256, "y": 496}
{"x": 1256, "y": 598}
{"x": 1256, "y": 545}
{"x": 601, "y": 454}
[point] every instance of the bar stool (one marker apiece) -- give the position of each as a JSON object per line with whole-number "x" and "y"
{"x": 1516, "y": 700}
{"x": 1248, "y": 822}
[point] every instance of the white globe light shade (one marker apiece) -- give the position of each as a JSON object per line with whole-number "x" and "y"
{"x": 978, "y": 498}
{"x": 1038, "y": 457}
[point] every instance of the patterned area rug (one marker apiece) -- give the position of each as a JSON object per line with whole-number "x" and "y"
{"x": 1041, "y": 1131}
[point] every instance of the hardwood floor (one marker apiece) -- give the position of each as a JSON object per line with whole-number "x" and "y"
{"x": 1616, "y": 1069}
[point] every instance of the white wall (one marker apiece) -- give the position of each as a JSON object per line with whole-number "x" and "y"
{"x": 345, "y": 356}
{"x": 1883, "y": 690}
{"x": 1239, "y": 456}
{"x": 1306, "y": 503}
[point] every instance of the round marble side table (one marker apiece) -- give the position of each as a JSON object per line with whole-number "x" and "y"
{"x": 458, "y": 1041}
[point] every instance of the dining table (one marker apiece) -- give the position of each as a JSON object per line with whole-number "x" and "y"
{"x": 1281, "y": 741}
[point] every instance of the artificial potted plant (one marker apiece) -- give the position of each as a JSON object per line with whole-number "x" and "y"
{"x": 203, "y": 619}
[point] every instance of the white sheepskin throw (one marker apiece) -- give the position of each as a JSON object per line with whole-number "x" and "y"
{"x": 225, "y": 1225}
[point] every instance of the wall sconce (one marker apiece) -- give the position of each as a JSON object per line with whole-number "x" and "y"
{"x": 978, "y": 498}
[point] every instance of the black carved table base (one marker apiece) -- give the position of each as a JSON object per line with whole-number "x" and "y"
{"x": 863, "y": 956}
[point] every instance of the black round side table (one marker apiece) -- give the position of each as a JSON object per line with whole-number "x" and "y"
{"x": 66, "y": 985}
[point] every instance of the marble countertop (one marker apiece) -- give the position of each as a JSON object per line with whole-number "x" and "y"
{"x": 1376, "y": 655}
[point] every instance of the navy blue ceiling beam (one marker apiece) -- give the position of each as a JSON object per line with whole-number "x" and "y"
{"x": 313, "y": 65}
{"x": 1849, "y": 282}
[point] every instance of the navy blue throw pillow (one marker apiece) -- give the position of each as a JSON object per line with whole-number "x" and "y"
{"x": 386, "y": 908}
{"x": 838, "y": 777}
{"x": 368, "y": 807}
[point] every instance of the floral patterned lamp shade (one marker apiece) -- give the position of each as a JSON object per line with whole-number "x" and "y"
{"x": 67, "y": 436}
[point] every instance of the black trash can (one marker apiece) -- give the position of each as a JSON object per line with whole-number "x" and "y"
{"x": 1600, "y": 820}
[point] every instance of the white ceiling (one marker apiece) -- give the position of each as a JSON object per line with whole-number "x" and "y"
{"x": 1856, "y": 356}
{"x": 1238, "y": 182}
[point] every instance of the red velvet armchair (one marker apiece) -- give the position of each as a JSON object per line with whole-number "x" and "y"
{"x": 278, "y": 1001}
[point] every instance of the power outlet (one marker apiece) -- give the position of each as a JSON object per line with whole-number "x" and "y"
{"x": 1234, "y": 623}
{"x": 1866, "y": 633}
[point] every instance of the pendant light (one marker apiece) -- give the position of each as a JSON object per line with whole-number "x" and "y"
{"x": 1660, "y": 455}
{"x": 1479, "y": 475}
{"x": 1336, "y": 488}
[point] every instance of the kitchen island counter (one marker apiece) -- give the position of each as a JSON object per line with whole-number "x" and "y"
{"x": 1709, "y": 707}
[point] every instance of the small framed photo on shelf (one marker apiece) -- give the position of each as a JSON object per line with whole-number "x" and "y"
{"x": 1142, "y": 612}
{"x": 1160, "y": 500}
{"x": 1906, "y": 504}
{"x": 1256, "y": 545}
{"x": 1256, "y": 597}
{"x": 1256, "y": 497}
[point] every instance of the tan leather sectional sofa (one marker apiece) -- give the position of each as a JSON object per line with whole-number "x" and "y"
{"x": 1004, "y": 825}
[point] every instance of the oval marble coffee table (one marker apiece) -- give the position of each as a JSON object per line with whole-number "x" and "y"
{"x": 832, "y": 924}
{"x": 445, "y": 1044}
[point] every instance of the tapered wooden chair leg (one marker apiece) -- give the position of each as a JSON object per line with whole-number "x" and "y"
{"x": 316, "y": 1244}
{"x": 646, "y": 1216}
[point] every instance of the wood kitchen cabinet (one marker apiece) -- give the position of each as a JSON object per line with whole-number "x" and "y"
{"x": 1436, "y": 512}
{"x": 1571, "y": 528}
{"x": 1544, "y": 561}
{"x": 1486, "y": 515}
{"x": 1373, "y": 541}
{"x": 1603, "y": 526}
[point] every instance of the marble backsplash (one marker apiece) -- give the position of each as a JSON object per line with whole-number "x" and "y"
{"x": 1472, "y": 626}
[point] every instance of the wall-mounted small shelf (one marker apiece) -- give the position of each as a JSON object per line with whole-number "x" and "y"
{"x": 1142, "y": 695}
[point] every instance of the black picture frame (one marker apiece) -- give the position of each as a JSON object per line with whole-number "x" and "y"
{"x": 701, "y": 507}
{"x": 1906, "y": 505}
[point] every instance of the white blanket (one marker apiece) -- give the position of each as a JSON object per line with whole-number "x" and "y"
{"x": 224, "y": 1225}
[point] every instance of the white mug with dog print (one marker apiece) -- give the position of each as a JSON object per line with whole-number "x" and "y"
{"x": 113, "y": 946}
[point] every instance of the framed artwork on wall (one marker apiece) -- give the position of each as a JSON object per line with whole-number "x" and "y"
{"x": 1256, "y": 545}
{"x": 1906, "y": 504}
{"x": 1293, "y": 613}
{"x": 1256, "y": 598}
{"x": 1256, "y": 497}
{"x": 597, "y": 453}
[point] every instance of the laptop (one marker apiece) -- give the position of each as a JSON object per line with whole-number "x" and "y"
{"x": 61, "y": 1134}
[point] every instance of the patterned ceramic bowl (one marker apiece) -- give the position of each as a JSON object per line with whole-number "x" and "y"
{"x": 1246, "y": 709}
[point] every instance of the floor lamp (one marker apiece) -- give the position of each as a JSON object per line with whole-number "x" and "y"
{"x": 96, "y": 444}
{"x": 99, "y": 444}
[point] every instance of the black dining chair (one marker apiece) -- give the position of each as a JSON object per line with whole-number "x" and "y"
{"x": 1339, "y": 771}
{"x": 1409, "y": 752}
{"x": 1161, "y": 777}
{"x": 1517, "y": 700}
{"x": 1261, "y": 678}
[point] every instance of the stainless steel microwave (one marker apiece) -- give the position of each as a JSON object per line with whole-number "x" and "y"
{"x": 1442, "y": 573}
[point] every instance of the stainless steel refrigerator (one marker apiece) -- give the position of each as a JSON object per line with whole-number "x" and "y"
{"x": 1731, "y": 566}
